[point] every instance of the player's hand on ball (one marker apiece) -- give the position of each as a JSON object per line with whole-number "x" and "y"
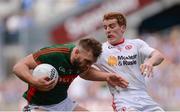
{"x": 43, "y": 83}
{"x": 116, "y": 80}
{"x": 146, "y": 69}
{"x": 45, "y": 77}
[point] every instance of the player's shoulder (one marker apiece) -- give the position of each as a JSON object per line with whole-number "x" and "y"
{"x": 65, "y": 47}
{"x": 105, "y": 44}
{"x": 106, "y": 47}
{"x": 56, "y": 49}
{"x": 135, "y": 41}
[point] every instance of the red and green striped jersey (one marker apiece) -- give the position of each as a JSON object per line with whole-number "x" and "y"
{"x": 59, "y": 57}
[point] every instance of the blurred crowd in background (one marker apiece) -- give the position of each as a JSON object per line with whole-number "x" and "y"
{"x": 26, "y": 25}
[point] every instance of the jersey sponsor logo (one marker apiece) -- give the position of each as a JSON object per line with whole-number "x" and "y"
{"x": 110, "y": 47}
{"x": 67, "y": 79}
{"x": 125, "y": 62}
{"x": 122, "y": 60}
{"x": 127, "y": 57}
{"x": 112, "y": 61}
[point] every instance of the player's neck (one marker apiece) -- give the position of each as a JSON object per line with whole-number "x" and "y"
{"x": 72, "y": 55}
{"x": 121, "y": 40}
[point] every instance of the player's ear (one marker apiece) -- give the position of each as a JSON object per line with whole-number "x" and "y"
{"x": 76, "y": 51}
{"x": 123, "y": 28}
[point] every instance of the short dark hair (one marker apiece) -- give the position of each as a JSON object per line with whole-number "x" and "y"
{"x": 116, "y": 15}
{"x": 91, "y": 44}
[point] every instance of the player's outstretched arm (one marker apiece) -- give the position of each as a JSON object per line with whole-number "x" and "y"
{"x": 155, "y": 59}
{"x": 111, "y": 78}
{"x": 22, "y": 70}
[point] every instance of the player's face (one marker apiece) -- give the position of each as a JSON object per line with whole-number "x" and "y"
{"x": 83, "y": 60}
{"x": 113, "y": 30}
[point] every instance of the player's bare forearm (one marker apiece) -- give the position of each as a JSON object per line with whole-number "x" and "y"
{"x": 111, "y": 78}
{"x": 156, "y": 58}
{"x": 22, "y": 69}
{"x": 94, "y": 75}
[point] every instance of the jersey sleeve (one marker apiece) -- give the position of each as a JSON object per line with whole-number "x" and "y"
{"x": 144, "y": 49}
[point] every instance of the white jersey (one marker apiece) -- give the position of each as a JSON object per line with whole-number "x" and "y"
{"x": 125, "y": 59}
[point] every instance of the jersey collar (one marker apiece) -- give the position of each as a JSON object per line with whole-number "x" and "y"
{"x": 121, "y": 41}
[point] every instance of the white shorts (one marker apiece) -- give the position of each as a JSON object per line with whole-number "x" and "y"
{"x": 135, "y": 103}
{"x": 65, "y": 105}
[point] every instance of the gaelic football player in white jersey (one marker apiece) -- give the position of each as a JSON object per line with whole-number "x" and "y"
{"x": 133, "y": 60}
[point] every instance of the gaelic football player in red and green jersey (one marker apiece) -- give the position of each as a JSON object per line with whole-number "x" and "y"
{"x": 70, "y": 61}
